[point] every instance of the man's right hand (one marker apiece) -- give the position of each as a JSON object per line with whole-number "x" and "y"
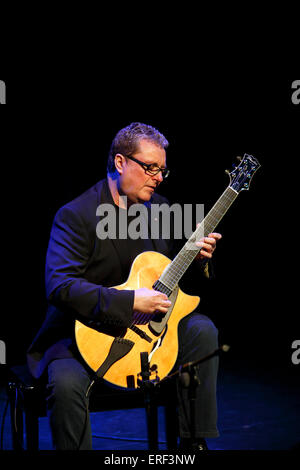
{"x": 150, "y": 302}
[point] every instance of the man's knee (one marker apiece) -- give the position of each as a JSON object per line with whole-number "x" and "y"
{"x": 208, "y": 332}
{"x": 66, "y": 383}
{"x": 199, "y": 330}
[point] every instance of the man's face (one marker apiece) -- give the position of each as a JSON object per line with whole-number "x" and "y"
{"x": 134, "y": 182}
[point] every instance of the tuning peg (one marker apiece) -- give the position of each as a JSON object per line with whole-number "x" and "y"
{"x": 239, "y": 159}
{"x": 227, "y": 172}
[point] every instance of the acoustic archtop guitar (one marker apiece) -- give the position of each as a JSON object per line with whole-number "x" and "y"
{"x": 115, "y": 355}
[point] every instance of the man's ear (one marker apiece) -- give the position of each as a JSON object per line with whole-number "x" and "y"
{"x": 119, "y": 163}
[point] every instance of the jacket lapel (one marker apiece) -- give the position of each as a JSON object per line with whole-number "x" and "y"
{"x": 105, "y": 197}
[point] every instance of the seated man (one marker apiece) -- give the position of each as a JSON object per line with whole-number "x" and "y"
{"x": 81, "y": 269}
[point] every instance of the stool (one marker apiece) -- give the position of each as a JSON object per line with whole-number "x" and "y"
{"x": 27, "y": 403}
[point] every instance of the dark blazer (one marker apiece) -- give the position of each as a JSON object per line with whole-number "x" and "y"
{"x": 80, "y": 270}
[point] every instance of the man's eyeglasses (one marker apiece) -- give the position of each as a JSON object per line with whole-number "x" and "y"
{"x": 151, "y": 168}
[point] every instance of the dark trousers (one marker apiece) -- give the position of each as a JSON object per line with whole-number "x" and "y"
{"x": 69, "y": 379}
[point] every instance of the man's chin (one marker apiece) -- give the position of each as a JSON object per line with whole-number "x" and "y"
{"x": 145, "y": 195}
{"x": 142, "y": 200}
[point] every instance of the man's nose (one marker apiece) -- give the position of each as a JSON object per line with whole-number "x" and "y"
{"x": 159, "y": 177}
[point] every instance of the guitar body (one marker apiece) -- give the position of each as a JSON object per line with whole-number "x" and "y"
{"x": 95, "y": 346}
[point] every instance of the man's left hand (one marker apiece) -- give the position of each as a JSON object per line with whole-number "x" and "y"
{"x": 208, "y": 245}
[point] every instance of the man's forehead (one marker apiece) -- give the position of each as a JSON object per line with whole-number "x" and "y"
{"x": 150, "y": 149}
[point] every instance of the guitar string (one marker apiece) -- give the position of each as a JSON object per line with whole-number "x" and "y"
{"x": 185, "y": 258}
{"x": 144, "y": 318}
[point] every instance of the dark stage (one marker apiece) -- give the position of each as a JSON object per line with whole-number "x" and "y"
{"x": 51, "y": 155}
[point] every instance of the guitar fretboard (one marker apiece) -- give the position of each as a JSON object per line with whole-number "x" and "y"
{"x": 175, "y": 270}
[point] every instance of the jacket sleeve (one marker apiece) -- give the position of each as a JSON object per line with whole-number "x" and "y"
{"x": 205, "y": 268}
{"x": 67, "y": 258}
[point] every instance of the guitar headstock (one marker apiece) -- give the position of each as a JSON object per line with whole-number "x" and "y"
{"x": 242, "y": 174}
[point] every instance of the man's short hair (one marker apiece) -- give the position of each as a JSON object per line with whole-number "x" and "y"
{"x": 127, "y": 141}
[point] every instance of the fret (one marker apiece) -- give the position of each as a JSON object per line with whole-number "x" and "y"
{"x": 188, "y": 253}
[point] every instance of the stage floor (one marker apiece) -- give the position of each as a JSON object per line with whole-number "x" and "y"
{"x": 259, "y": 409}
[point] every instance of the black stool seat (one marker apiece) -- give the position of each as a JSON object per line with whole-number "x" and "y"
{"x": 27, "y": 400}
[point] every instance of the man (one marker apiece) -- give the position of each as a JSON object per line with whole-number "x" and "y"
{"x": 81, "y": 267}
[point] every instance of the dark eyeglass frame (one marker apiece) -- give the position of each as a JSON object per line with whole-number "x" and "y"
{"x": 146, "y": 166}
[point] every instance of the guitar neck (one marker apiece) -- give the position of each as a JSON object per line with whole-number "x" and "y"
{"x": 176, "y": 269}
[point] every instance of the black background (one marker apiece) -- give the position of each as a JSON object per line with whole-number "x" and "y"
{"x": 55, "y": 134}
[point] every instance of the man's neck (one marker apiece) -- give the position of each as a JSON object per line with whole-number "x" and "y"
{"x": 120, "y": 200}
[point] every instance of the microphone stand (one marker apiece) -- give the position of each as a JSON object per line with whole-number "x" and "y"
{"x": 148, "y": 386}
